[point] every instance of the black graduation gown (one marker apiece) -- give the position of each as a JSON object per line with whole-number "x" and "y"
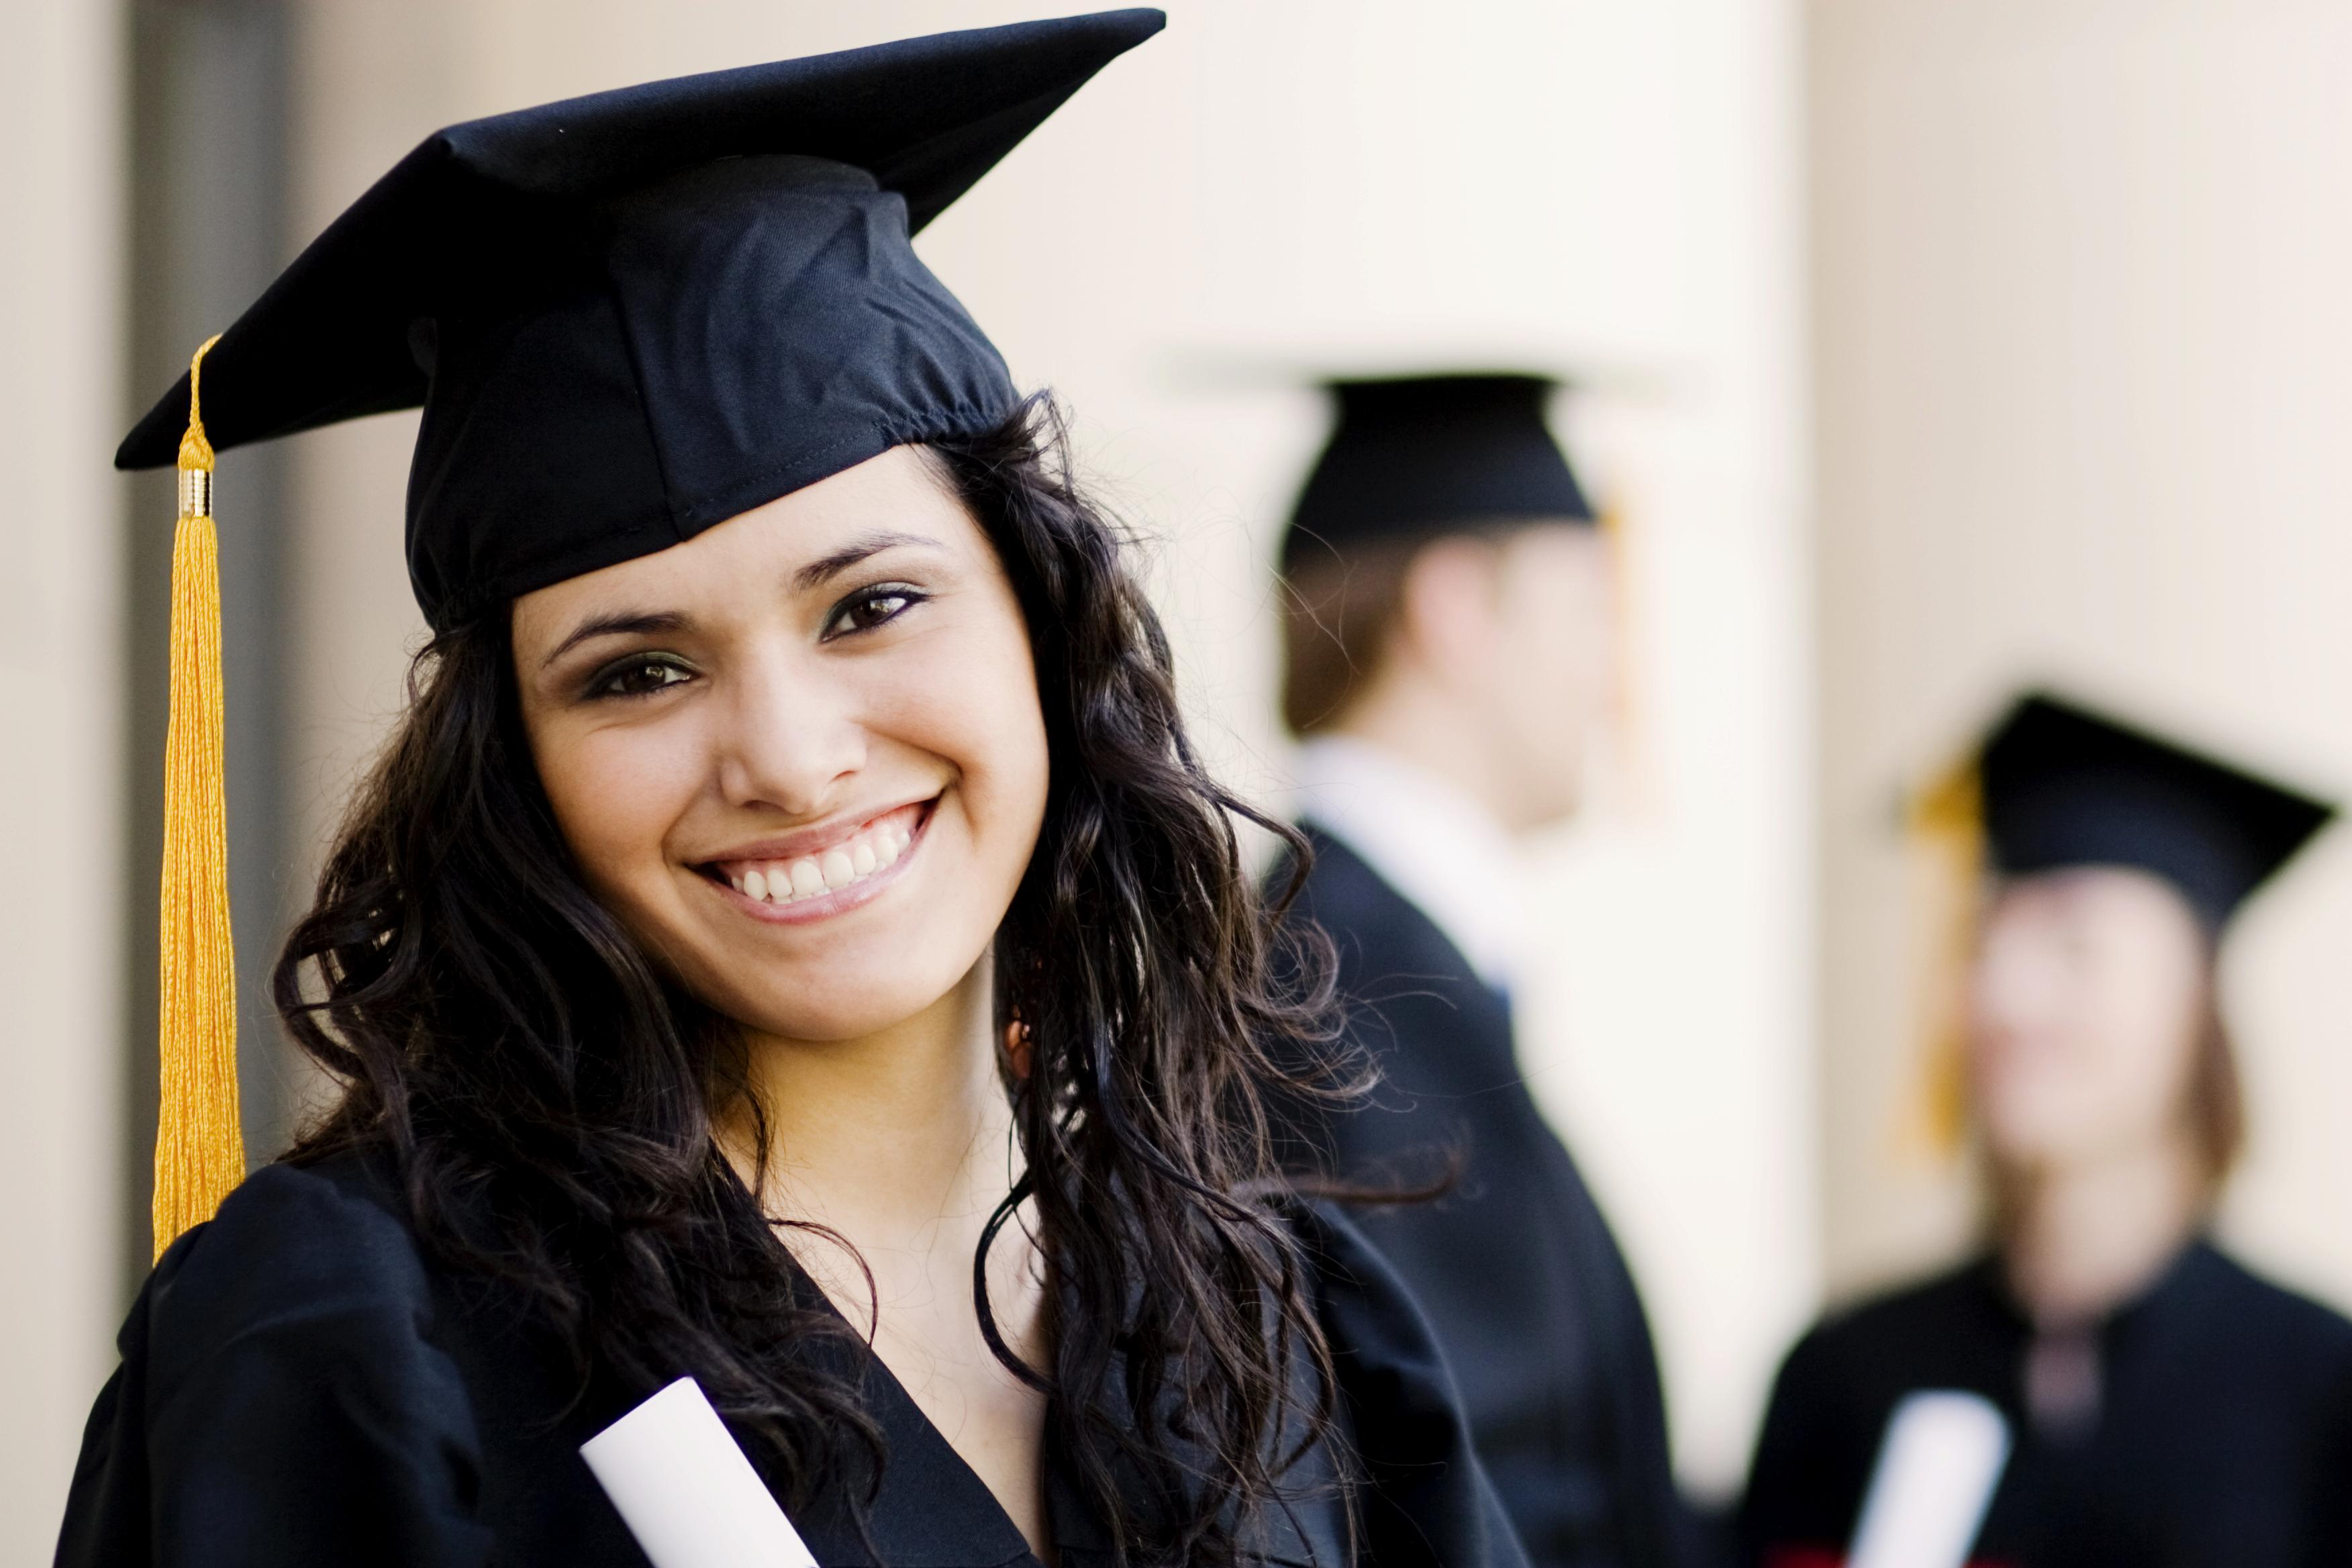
{"x": 2222, "y": 1433}
{"x": 1530, "y": 1298}
{"x": 299, "y": 1386}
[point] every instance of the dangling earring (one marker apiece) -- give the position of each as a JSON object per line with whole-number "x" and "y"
{"x": 1020, "y": 1046}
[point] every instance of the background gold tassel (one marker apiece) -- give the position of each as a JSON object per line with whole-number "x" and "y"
{"x": 199, "y": 1148}
{"x": 1947, "y": 833}
{"x": 1628, "y": 707}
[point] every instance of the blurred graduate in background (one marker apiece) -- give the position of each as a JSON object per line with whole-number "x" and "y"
{"x": 1450, "y": 652}
{"x": 2165, "y": 1405}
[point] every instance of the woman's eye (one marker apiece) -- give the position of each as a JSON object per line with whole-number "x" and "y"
{"x": 871, "y": 608}
{"x": 638, "y": 678}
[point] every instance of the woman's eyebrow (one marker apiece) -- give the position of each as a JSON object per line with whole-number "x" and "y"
{"x": 639, "y": 623}
{"x": 818, "y": 573}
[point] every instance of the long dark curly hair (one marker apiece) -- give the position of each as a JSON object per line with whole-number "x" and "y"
{"x": 548, "y": 1096}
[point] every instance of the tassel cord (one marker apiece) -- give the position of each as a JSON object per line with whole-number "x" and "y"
{"x": 199, "y": 1147}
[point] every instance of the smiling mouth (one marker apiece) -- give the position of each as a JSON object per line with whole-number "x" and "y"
{"x": 872, "y": 849}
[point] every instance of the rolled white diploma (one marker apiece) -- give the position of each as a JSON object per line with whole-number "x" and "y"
{"x": 1941, "y": 1459}
{"x": 686, "y": 1491}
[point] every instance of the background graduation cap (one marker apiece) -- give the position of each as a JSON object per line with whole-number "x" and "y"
{"x": 1411, "y": 456}
{"x": 1415, "y": 457}
{"x": 2064, "y": 786}
{"x": 627, "y": 317}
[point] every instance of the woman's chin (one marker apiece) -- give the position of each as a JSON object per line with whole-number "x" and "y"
{"x": 830, "y": 1015}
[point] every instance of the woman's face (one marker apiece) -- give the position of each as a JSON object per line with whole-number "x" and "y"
{"x": 2084, "y": 1005}
{"x": 801, "y": 755}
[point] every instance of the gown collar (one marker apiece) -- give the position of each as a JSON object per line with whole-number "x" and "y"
{"x": 2182, "y": 1269}
{"x": 1435, "y": 845}
{"x": 933, "y": 1511}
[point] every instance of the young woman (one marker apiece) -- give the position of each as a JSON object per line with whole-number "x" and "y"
{"x": 2167, "y": 1407}
{"x": 788, "y": 942}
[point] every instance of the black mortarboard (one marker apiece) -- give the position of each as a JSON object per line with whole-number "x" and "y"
{"x": 627, "y": 317}
{"x": 633, "y": 315}
{"x": 1413, "y": 457}
{"x": 2064, "y": 786}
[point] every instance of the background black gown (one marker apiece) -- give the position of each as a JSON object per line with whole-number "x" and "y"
{"x": 299, "y": 1388}
{"x": 2221, "y": 1436}
{"x": 1516, "y": 1268}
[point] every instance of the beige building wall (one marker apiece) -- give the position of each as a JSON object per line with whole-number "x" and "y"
{"x": 60, "y": 964}
{"x": 1268, "y": 189}
{"x": 2082, "y": 332}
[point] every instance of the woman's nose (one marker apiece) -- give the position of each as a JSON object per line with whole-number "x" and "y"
{"x": 794, "y": 738}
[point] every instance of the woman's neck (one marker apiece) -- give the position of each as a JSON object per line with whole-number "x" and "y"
{"x": 900, "y": 1146}
{"x": 887, "y": 1137}
{"x": 2080, "y": 1240}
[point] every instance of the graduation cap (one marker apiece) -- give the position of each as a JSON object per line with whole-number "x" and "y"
{"x": 628, "y": 318}
{"x": 1414, "y": 457}
{"x": 2062, "y": 787}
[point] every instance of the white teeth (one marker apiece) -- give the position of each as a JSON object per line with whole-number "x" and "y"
{"x": 778, "y": 882}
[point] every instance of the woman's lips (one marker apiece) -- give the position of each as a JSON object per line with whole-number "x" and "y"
{"x": 832, "y": 879}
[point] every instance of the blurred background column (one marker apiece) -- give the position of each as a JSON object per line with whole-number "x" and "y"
{"x": 60, "y": 747}
{"x": 2082, "y": 332}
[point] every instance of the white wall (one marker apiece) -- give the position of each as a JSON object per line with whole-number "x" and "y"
{"x": 60, "y": 964}
{"x": 2083, "y": 336}
{"x": 1268, "y": 188}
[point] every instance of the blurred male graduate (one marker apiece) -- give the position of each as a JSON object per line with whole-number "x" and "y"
{"x": 1450, "y": 656}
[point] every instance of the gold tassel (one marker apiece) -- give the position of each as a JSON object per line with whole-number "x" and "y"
{"x": 1628, "y": 704}
{"x": 199, "y": 1149}
{"x": 1946, "y": 823}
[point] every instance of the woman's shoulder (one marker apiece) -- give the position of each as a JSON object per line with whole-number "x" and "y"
{"x": 1403, "y": 1413}
{"x": 1841, "y": 1379}
{"x": 1950, "y": 1329}
{"x": 294, "y": 1251}
{"x": 1359, "y": 1296}
{"x": 1963, "y": 1303}
{"x": 280, "y": 1397}
{"x": 2266, "y": 1317}
{"x": 1334, "y": 1246}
